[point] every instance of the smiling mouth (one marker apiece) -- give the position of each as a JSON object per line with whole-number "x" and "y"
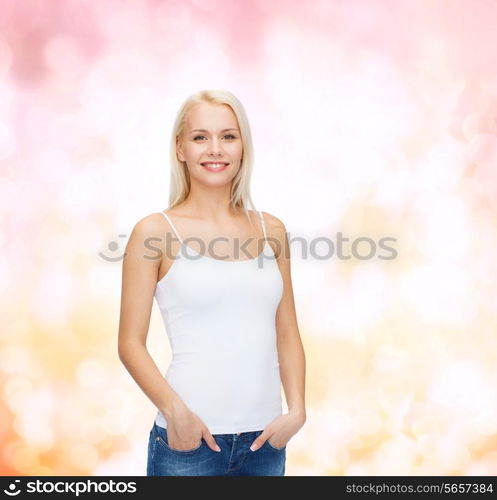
{"x": 214, "y": 167}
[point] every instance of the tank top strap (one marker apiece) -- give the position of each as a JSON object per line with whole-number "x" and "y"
{"x": 172, "y": 226}
{"x": 263, "y": 224}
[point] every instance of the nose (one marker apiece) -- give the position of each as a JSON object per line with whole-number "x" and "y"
{"x": 215, "y": 149}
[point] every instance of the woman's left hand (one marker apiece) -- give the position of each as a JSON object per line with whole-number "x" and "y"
{"x": 280, "y": 430}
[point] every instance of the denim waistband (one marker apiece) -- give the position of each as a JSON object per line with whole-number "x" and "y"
{"x": 236, "y": 435}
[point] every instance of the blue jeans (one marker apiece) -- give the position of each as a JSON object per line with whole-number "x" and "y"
{"x": 234, "y": 459}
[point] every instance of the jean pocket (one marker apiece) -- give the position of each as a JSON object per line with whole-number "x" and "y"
{"x": 277, "y": 448}
{"x": 163, "y": 440}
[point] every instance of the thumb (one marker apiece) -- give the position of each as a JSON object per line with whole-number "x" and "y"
{"x": 259, "y": 440}
{"x": 209, "y": 439}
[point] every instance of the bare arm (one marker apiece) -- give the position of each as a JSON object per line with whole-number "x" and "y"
{"x": 141, "y": 266}
{"x": 139, "y": 277}
{"x": 290, "y": 349}
{"x": 291, "y": 356}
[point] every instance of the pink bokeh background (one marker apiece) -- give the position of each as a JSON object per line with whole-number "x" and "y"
{"x": 371, "y": 119}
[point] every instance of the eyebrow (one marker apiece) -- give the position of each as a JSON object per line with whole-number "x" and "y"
{"x": 206, "y": 131}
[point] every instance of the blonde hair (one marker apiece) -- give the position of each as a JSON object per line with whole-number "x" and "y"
{"x": 179, "y": 186}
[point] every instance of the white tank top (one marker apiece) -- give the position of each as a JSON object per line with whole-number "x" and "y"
{"x": 220, "y": 318}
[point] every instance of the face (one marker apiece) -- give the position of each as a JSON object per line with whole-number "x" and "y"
{"x": 211, "y": 144}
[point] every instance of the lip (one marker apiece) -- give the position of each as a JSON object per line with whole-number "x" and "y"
{"x": 206, "y": 165}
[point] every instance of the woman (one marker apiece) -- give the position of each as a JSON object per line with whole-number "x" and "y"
{"x": 222, "y": 282}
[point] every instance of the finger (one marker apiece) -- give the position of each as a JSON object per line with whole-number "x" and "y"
{"x": 211, "y": 442}
{"x": 259, "y": 440}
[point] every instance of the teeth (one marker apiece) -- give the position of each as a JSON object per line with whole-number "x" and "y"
{"x": 215, "y": 165}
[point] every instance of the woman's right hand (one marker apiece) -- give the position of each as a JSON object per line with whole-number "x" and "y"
{"x": 185, "y": 429}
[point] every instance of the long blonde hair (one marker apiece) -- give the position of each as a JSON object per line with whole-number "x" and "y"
{"x": 179, "y": 186}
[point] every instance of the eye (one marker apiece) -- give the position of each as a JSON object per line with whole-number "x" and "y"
{"x": 203, "y": 137}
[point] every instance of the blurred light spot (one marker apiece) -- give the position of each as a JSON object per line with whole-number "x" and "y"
{"x": 24, "y": 458}
{"x": 82, "y": 193}
{"x": 117, "y": 420}
{"x": 8, "y": 190}
{"x": 41, "y": 470}
{"x": 83, "y": 456}
{"x": 370, "y": 293}
{"x": 447, "y": 229}
{"x": 5, "y": 269}
{"x": 98, "y": 115}
{"x": 440, "y": 167}
{"x": 396, "y": 455}
{"x": 64, "y": 57}
{"x": 393, "y": 191}
{"x": 101, "y": 281}
{"x": 176, "y": 20}
{"x": 482, "y": 150}
{"x": 14, "y": 359}
{"x": 18, "y": 328}
{"x": 485, "y": 466}
{"x": 8, "y": 144}
{"x": 204, "y": 38}
{"x": 474, "y": 124}
{"x": 390, "y": 360}
{"x": 93, "y": 373}
{"x": 368, "y": 422}
{"x": 92, "y": 430}
{"x": 5, "y": 56}
{"x": 35, "y": 420}
{"x": 439, "y": 293}
{"x": 52, "y": 295}
{"x": 460, "y": 386}
{"x": 52, "y": 161}
{"x": 451, "y": 450}
{"x": 17, "y": 390}
{"x": 119, "y": 464}
{"x": 205, "y": 4}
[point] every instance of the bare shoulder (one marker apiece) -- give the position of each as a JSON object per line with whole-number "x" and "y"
{"x": 150, "y": 229}
{"x": 150, "y": 225}
{"x": 273, "y": 222}
{"x": 276, "y": 232}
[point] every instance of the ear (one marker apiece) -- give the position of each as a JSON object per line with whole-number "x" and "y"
{"x": 179, "y": 150}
